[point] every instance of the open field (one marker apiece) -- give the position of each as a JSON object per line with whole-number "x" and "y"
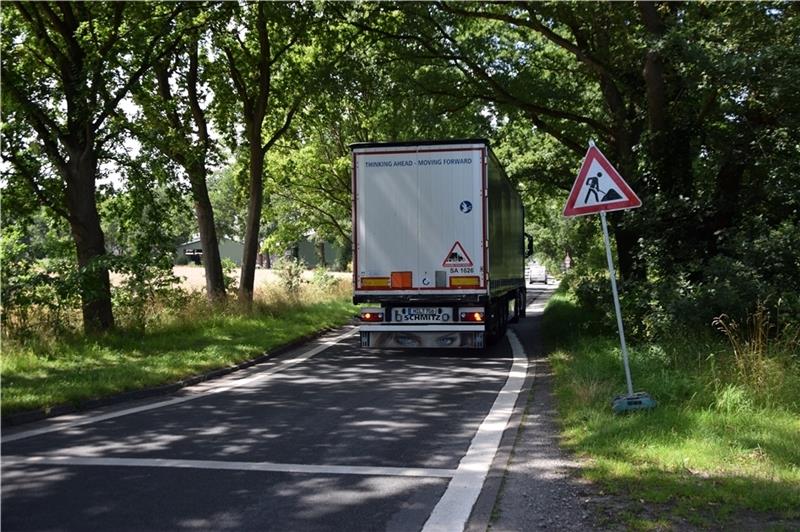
{"x": 193, "y": 277}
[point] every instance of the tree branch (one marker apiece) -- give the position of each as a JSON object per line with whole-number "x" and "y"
{"x": 43, "y": 124}
{"x": 194, "y": 101}
{"x": 286, "y": 123}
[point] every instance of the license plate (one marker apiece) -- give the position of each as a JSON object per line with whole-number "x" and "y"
{"x": 422, "y": 314}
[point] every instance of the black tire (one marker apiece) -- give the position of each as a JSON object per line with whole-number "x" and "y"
{"x": 493, "y": 325}
{"x": 515, "y": 317}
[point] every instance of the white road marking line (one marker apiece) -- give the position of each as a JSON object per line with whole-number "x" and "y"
{"x": 455, "y": 506}
{"x": 230, "y": 466}
{"x": 201, "y": 389}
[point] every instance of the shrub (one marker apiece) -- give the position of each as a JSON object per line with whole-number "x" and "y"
{"x": 290, "y": 273}
{"x": 322, "y": 279}
{"x": 36, "y": 293}
{"x": 143, "y": 286}
{"x": 229, "y": 278}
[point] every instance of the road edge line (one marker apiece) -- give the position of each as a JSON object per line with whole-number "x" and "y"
{"x": 455, "y": 506}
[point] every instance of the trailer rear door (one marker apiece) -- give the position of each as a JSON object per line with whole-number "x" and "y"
{"x": 419, "y": 219}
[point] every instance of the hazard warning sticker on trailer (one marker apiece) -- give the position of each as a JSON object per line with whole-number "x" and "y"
{"x": 457, "y": 257}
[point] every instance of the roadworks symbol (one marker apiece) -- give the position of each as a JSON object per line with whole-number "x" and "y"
{"x": 457, "y": 257}
{"x": 599, "y": 187}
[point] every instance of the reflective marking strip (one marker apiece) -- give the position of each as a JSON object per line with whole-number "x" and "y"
{"x": 455, "y": 506}
{"x": 202, "y": 389}
{"x": 270, "y": 467}
{"x": 375, "y": 281}
{"x": 458, "y": 281}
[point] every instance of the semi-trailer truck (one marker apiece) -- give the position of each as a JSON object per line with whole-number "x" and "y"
{"x": 438, "y": 244}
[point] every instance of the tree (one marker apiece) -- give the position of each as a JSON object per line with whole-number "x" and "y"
{"x": 678, "y": 101}
{"x": 260, "y": 71}
{"x": 368, "y": 99}
{"x": 173, "y": 101}
{"x": 72, "y": 67}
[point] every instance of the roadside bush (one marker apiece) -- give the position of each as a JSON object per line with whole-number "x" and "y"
{"x": 144, "y": 294}
{"x": 322, "y": 279}
{"x": 764, "y": 357}
{"x": 290, "y": 273}
{"x": 37, "y": 294}
{"x": 229, "y": 278}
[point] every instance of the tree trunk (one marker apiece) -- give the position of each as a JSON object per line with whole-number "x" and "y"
{"x": 629, "y": 267}
{"x": 89, "y": 240}
{"x": 321, "y": 254}
{"x": 247, "y": 279}
{"x": 215, "y": 281}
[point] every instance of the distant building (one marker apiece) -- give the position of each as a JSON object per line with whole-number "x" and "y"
{"x": 228, "y": 249}
{"x": 306, "y": 250}
{"x": 310, "y": 253}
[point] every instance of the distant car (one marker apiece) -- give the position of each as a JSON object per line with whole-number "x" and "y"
{"x": 536, "y": 273}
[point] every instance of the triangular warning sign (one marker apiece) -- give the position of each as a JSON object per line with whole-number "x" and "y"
{"x": 599, "y": 187}
{"x": 457, "y": 257}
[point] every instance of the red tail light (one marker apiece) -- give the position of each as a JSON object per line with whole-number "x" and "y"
{"x": 472, "y": 316}
{"x": 371, "y": 315}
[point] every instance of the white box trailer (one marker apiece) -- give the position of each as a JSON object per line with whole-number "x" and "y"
{"x": 438, "y": 244}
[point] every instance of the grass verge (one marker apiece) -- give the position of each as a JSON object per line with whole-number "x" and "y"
{"x": 44, "y": 372}
{"x": 714, "y": 452}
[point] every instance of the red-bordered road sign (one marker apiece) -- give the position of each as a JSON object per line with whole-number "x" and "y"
{"x": 599, "y": 187}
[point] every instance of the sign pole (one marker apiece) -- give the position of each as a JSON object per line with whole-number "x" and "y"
{"x": 616, "y": 304}
{"x": 598, "y": 189}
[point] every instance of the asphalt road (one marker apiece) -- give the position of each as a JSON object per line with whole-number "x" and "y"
{"x": 327, "y": 437}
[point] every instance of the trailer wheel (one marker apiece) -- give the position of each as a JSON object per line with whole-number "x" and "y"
{"x": 493, "y": 325}
{"x": 514, "y": 318}
{"x": 519, "y": 306}
{"x": 523, "y": 306}
{"x": 503, "y": 320}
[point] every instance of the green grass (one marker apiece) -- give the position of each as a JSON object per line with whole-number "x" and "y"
{"x": 713, "y": 450}
{"x": 41, "y": 374}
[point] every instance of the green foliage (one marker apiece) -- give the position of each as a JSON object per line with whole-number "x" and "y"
{"x": 322, "y": 279}
{"x": 290, "y": 273}
{"x": 228, "y": 197}
{"x": 765, "y": 361}
{"x": 33, "y": 296}
{"x": 228, "y": 272}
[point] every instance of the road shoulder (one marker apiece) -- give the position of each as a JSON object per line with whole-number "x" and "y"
{"x": 533, "y": 483}
{"x": 541, "y": 488}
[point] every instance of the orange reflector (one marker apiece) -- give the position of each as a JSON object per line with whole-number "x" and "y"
{"x": 401, "y": 279}
{"x": 375, "y": 282}
{"x": 464, "y": 281}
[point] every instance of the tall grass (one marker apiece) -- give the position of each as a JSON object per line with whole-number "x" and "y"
{"x": 186, "y": 334}
{"x": 725, "y": 437}
{"x": 763, "y": 355}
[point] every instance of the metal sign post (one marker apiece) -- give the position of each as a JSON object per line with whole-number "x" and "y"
{"x": 616, "y": 304}
{"x": 597, "y": 176}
